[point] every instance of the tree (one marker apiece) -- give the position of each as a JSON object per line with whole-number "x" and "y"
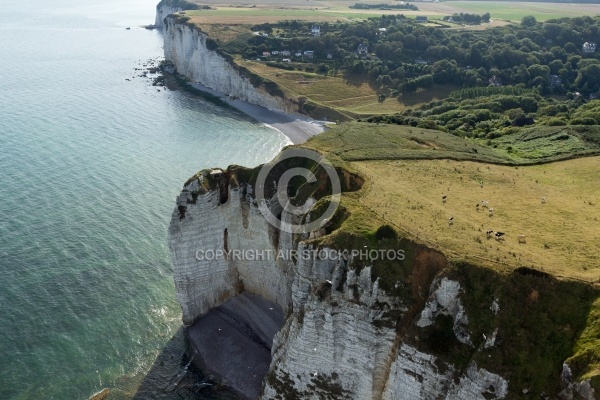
{"x": 588, "y": 78}
{"x": 444, "y": 71}
{"x": 529, "y": 21}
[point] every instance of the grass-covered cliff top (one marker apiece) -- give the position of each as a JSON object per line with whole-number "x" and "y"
{"x": 556, "y": 205}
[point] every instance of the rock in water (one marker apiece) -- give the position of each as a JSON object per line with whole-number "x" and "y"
{"x": 101, "y": 395}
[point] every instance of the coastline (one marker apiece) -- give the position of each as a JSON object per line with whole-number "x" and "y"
{"x": 296, "y": 128}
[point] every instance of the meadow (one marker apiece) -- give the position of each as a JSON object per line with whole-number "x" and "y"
{"x": 408, "y": 170}
{"x": 513, "y": 11}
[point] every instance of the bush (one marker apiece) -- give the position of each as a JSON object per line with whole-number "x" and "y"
{"x": 279, "y": 65}
{"x": 556, "y": 122}
{"x": 386, "y": 232}
{"x": 583, "y": 121}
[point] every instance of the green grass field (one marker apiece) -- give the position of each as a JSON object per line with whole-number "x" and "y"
{"x": 408, "y": 170}
{"x": 515, "y": 11}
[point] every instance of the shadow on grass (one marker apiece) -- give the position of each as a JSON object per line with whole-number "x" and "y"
{"x": 437, "y": 92}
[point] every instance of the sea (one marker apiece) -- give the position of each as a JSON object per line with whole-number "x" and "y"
{"x": 92, "y": 156}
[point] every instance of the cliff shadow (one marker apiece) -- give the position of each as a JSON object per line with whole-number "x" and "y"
{"x": 523, "y": 325}
{"x": 173, "y": 377}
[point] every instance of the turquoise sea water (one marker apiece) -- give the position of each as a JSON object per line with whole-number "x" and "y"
{"x": 90, "y": 165}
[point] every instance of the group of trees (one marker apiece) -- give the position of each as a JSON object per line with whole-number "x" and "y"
{"x": 407, "y": 56}
{"x": 490, "y": 112}
{"x": 400, "y": 6}
{"x": 469, "y": 19}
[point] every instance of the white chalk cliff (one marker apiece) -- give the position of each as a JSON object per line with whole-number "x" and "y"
{"x": 337, "y": 338}
{"x": 161, "y": 14}
{"x": 186, "y": 47}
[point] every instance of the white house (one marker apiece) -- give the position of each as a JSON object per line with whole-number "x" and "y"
{"x": 316, "y": 30}
{"x": 589, "y": 47}
{"x": 309, "y": 54}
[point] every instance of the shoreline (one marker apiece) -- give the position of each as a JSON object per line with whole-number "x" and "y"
{"x": 296, "y": 128}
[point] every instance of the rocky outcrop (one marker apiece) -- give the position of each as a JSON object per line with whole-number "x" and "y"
{"x": 195, "y": 56}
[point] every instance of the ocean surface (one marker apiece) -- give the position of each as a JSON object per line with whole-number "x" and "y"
{"x": 90, "y": 164}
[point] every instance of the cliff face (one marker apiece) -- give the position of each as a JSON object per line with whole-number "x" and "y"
{"x": 344, "y": 335}
{"x": 167, "y": 7}
{"x": 161, "y": 13}
{"x": 193, "y": 56}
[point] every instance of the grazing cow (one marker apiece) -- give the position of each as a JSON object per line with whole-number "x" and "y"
{"x": 477, "y": 206}
{"x": 491, "y": 212}
{"x": 444, "y": 199}
{"x": 451, "y": 221}
{"x": 499, "y": 236}
{"x": 488, "y": 234}
{"x": 522, "y": 239}
{"x": 485, "y": 203}
{"x": 543, "y": 200}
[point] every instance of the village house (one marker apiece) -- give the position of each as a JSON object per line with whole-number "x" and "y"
{"x": 421, "y": 19}
{"x": 298, "y": 54}
{"x": 266, "y": 54}
{"x": 309, "y": 54}
{"x": 329, "y": 56}
{"x": 495, "y": 81}
{"x": 589, "y": 47}
{"x": 362, "y": 49}
{"x": 554, "y": 81}
{"x": 275, "y": 53}
{"x": 286, "y": 53}
{"x": 316, "y": 30}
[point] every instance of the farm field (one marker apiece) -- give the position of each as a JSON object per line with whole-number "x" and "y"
{"x": 321, "y": 11}
{"x": 513, "y": 11}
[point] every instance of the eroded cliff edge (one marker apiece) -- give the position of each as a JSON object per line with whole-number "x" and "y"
{"x": 419, "y": 327}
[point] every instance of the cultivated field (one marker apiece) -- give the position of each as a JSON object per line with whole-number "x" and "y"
{"x": 241, "y": 11}
{"x": 512, "y": 11}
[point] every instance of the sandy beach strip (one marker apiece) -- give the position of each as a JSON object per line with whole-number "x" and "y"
{"x": 297, "y": 128}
